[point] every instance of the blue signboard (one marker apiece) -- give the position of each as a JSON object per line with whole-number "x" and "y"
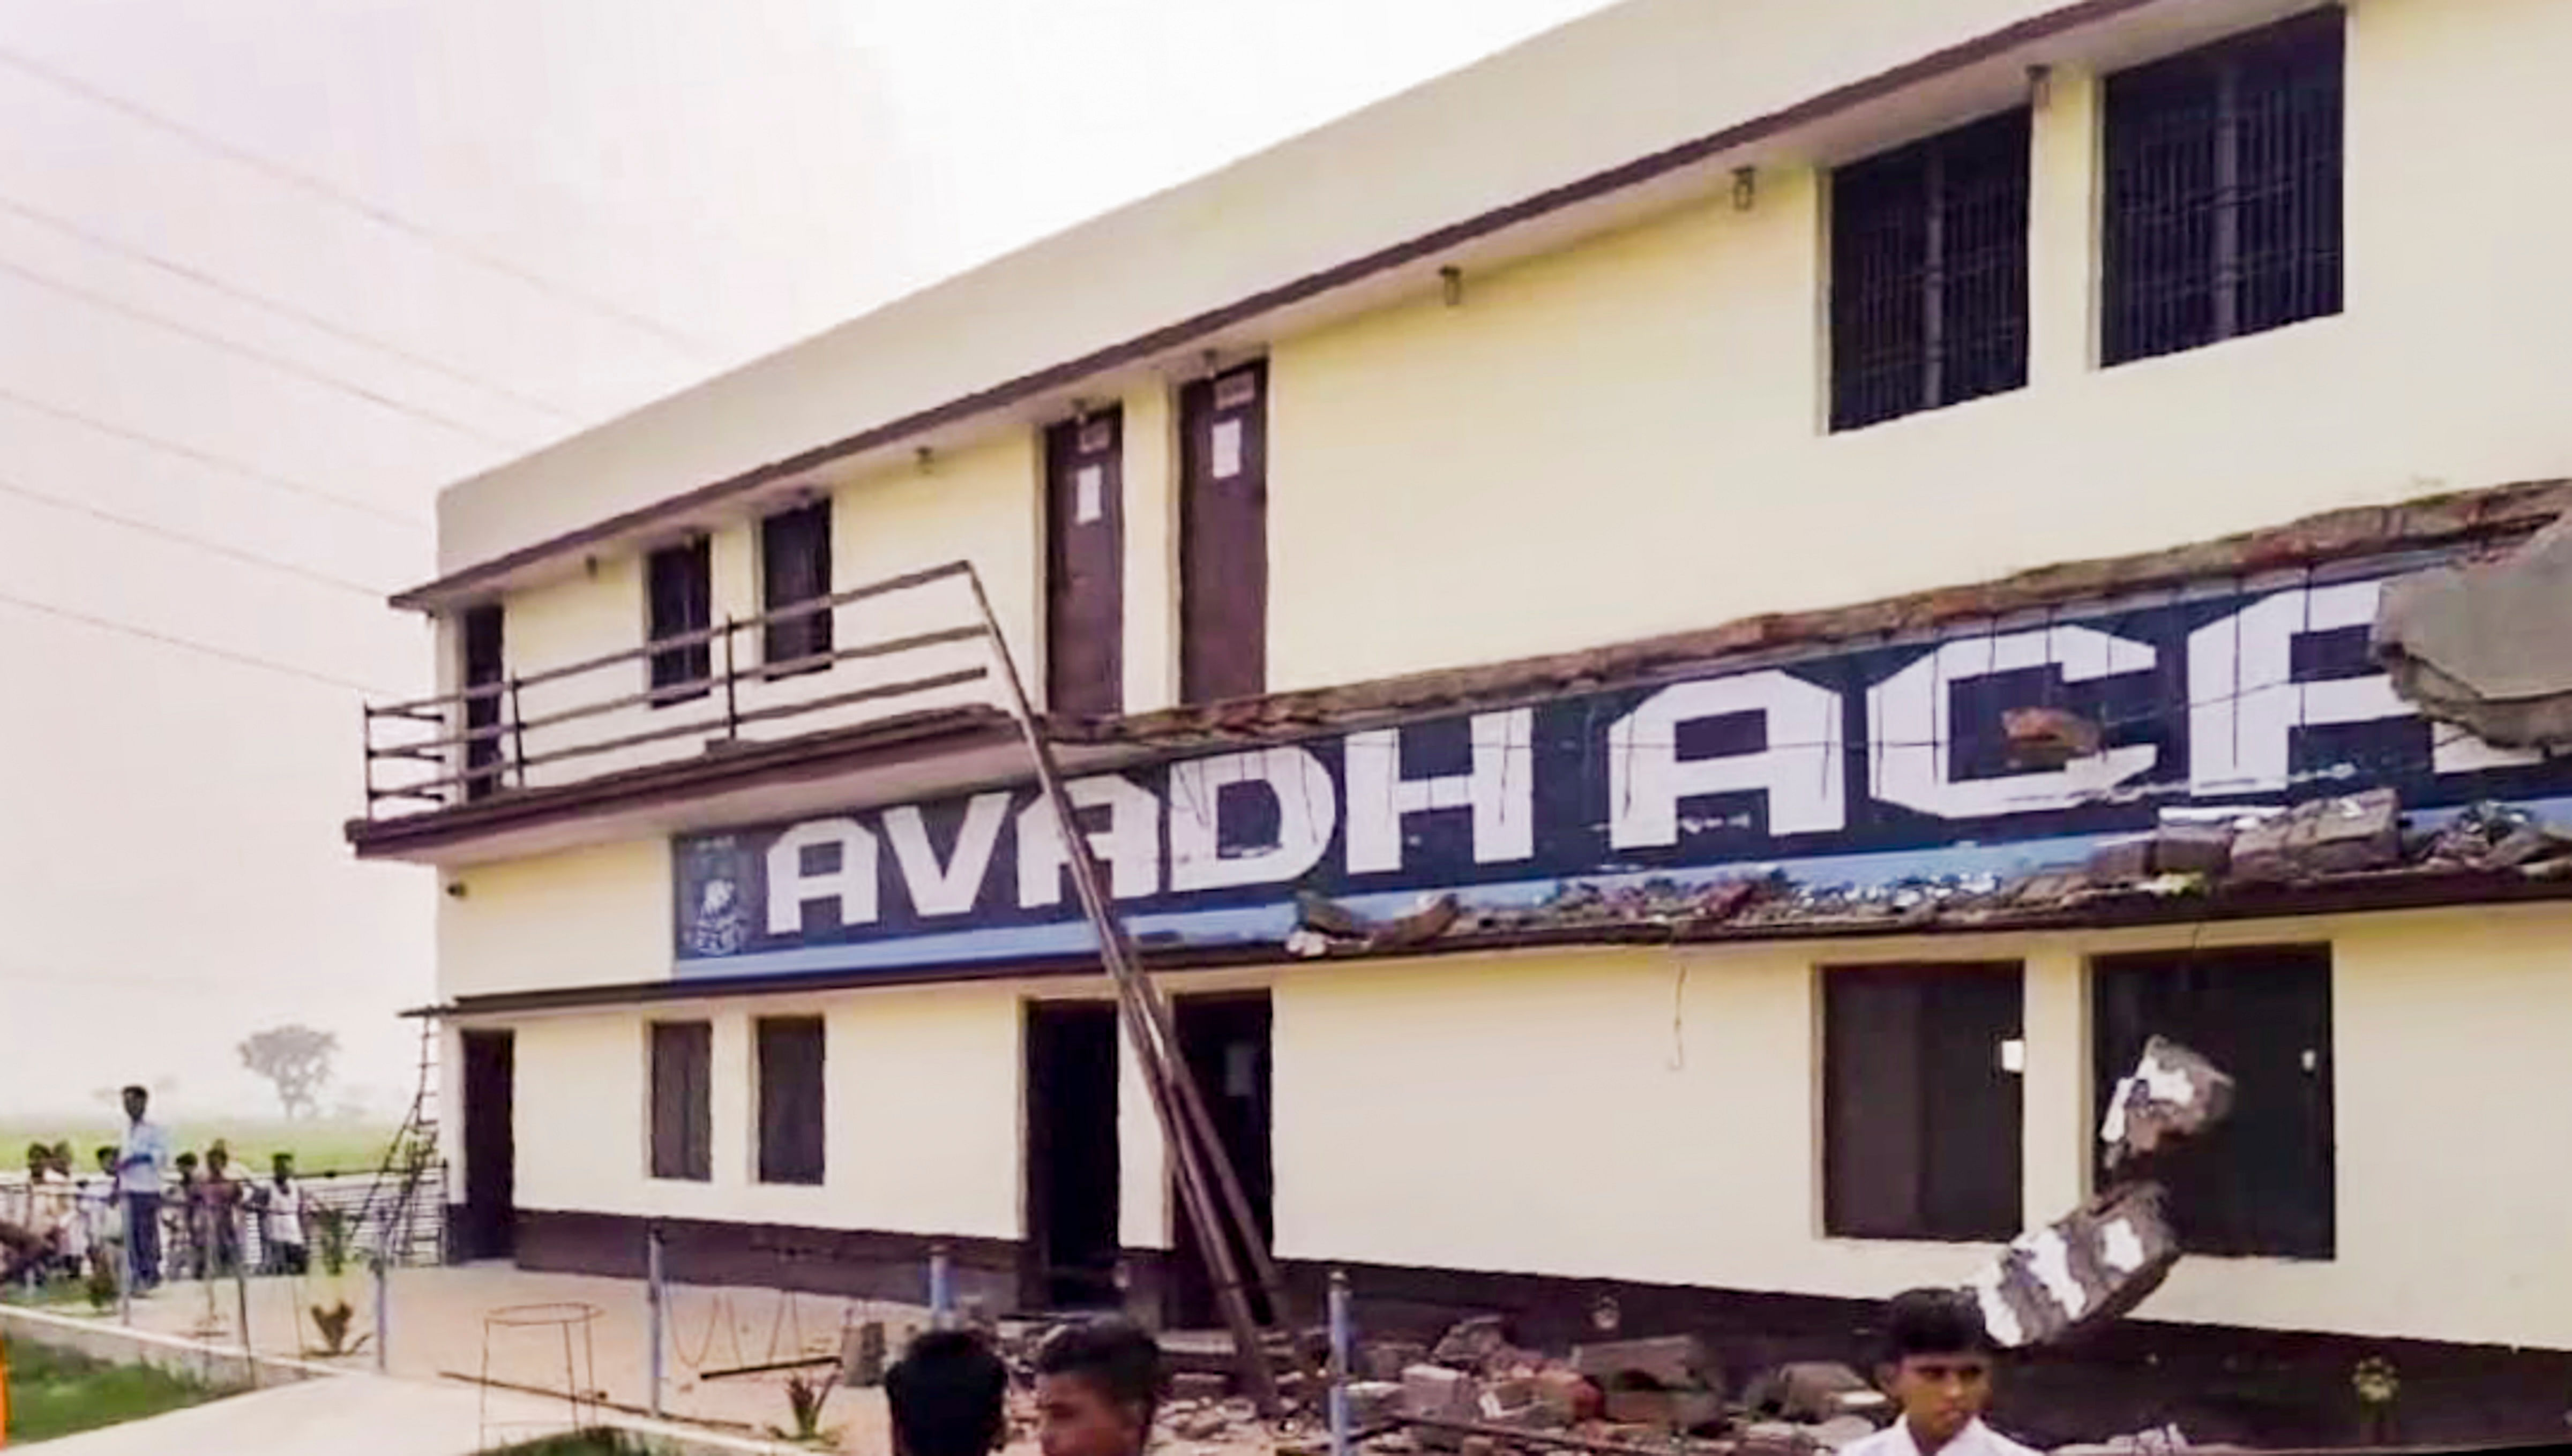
{"x": 1855, "y": 765}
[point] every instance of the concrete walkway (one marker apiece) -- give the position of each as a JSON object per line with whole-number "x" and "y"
{"x": 330, "y": 1418}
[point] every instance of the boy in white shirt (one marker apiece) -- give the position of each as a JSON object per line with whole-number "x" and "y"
{"x": 1938, "y": 1367}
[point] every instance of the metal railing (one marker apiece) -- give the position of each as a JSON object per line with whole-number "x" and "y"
{"x": 431, "y": 752}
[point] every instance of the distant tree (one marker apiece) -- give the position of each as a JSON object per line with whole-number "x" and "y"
{"x": 298, "y": 1060}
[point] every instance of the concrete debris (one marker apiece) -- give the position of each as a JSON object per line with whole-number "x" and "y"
{"x": 1374, "y": 1402}
{"x": 1324, "y": 925}
{"x": 1815, "y": 1391}
{"x": 1570, "y": 1395}
{"x": 1205, "y": 1423}
{"x": 1199, "y": 1385}
{"x": 2172, "y": 849}
{"x": 2172, "y": 1091}
{"x": 2491, "y": 835}
{"x": 1665, "y": 1410}
{"x": 2093, "y": 1265}
{"x": 1387, "y": 1360}
{"x": 2482, "y": 645}
{"x": 1847, "y": 1430}
{"x": 1438, "y": 1393}
{"x": 1671, "y": 1363}
{"x": 1469, "y": 1344}
{"x": 2048, "y": 738}
{"x": 2321, "y": 837}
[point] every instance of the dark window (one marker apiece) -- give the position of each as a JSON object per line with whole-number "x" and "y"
{"x": 683, "y": 1100}
{"x": 795, "y": 568}
{"x": 1929, "y": 273}
{"x": 484, "y": 675}
{"x": 2223, "y": 207}
{"x": 2259, "y": 1181}
{"x": 1920, "y": 1101}
{"x": 681, "y": 585}
{"x": 790, "y": 1098}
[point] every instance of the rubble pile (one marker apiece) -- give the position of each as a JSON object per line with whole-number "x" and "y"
{"x": 2334, "y": 840}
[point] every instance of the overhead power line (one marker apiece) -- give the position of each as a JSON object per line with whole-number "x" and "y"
{"x": 184, "y": 537}
{"x": 279, "y": 362}
{"x": 224, "y": 463}
{"x": 74, "y": 229}
{"x": 190, "y": 643}
{"x": 327, "y": 191}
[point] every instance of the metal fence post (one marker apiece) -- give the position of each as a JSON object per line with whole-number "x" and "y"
{"x": 656, "y": 1298}
{"x": 384, "y": 1314}
{"x": 941, "y": 1288}
{"x": 1340, "y": 1364}
{"x": 239, "y": 1219}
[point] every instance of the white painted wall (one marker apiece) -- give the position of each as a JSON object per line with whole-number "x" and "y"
{"x": 1654, "y": 1116}
{"x": 923, "y": 1087}
{"x": 585, "y": 917}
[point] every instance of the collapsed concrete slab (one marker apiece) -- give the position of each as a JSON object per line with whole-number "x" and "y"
{"x": 2094, "y": 1265}
{"x": 2482, "y": 646}
{"x": 2172, "y": 1093}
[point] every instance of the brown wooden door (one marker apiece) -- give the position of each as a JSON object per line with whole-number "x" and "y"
{"x": 488, "y": 1227}
{"x": 1223, "y": 530}
{"x": 1085, "y": 566}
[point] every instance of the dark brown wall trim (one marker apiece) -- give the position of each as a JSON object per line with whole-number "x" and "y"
{"x": 1642, "y": 169}
{"x": 2219, "y": 1383}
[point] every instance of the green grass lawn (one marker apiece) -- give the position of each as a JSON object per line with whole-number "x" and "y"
{"x": 323, "y": 1145}
{"x": 56, "y": 1393}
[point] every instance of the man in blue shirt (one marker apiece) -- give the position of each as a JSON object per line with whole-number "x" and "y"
{"x": 138, "y": 1167}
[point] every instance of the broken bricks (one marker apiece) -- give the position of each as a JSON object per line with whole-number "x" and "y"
{"x": 1671, "y": 1363}
{"x": 2320, "y": 838}
{"x": 1813, "y": 1391}
{"x": 2092, "y": 1265}
{"x": 2172, "y": 1093}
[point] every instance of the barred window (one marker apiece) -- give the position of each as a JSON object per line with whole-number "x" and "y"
{"x": 679, "y": 590}
{"x": 2222, "y": 201}
{"x": 794, "y": 567}
{"x": 1929, "y": 273}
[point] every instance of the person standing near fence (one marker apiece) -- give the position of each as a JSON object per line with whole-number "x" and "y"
{"x": 141, "y": 1161}
{"x": 220, "y": 1201}
{"x": 280, "y": 1203}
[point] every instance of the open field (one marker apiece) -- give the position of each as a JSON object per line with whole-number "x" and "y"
{"x": 319, "y": 1146}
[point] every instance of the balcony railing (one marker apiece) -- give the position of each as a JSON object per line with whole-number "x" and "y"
{"x": 579, "y": 719}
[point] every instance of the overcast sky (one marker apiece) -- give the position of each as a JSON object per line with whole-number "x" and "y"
{"x": 271, "y": 272}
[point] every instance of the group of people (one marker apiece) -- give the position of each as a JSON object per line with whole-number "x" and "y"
{"x": 1098, "y": 1387}
{"x": 187, "y": 1217}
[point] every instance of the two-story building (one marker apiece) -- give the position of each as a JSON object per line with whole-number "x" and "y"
{"x": 1630, "y": 488}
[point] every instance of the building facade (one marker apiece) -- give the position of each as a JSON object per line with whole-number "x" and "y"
{"x": 1538, "y": 583}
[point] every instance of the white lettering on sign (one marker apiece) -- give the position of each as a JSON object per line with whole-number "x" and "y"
{"x": 1129, "y": 846}
{"x": 1910, "y": 725}
{"x": 1802, "y": 770}
{"x": 1307, "y": 806}
{"x": 849, "y": 887}
{"x": 1499, "y": 788}
{"x": 2244, "y": 704}
{"x": 952, "y": 888}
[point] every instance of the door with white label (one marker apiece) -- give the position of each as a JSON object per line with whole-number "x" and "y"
{"x": 1224, "y": 527}
{"x": 1085, "y": 566}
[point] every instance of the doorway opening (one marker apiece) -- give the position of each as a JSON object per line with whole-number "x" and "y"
{"x": 1071, "y": 1164}
{"x": 488, "y": 1228}
{"x": 1225, "y": 1039}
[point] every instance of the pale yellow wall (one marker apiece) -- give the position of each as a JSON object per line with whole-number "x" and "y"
{"x": 1637, "y": 424}
{"x": 583, "y": 917}
{"x": 1631, "y": 80}
{"x": 1652, "y": 1116}
{"x": 978, "y": 505}
{"x": 923, "y": 1087}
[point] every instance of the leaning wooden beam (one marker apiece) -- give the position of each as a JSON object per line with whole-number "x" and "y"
{"x": 1153, "y": 1045}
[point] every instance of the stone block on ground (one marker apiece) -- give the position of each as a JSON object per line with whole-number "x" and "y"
{"x": 1435, "y": 1392}
{"x": 1671, "y": 1363}
{"x": 1841, "y": 1431}
{"x": 1199, "y": 1385}
{"x": 1374, "y": 1402}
